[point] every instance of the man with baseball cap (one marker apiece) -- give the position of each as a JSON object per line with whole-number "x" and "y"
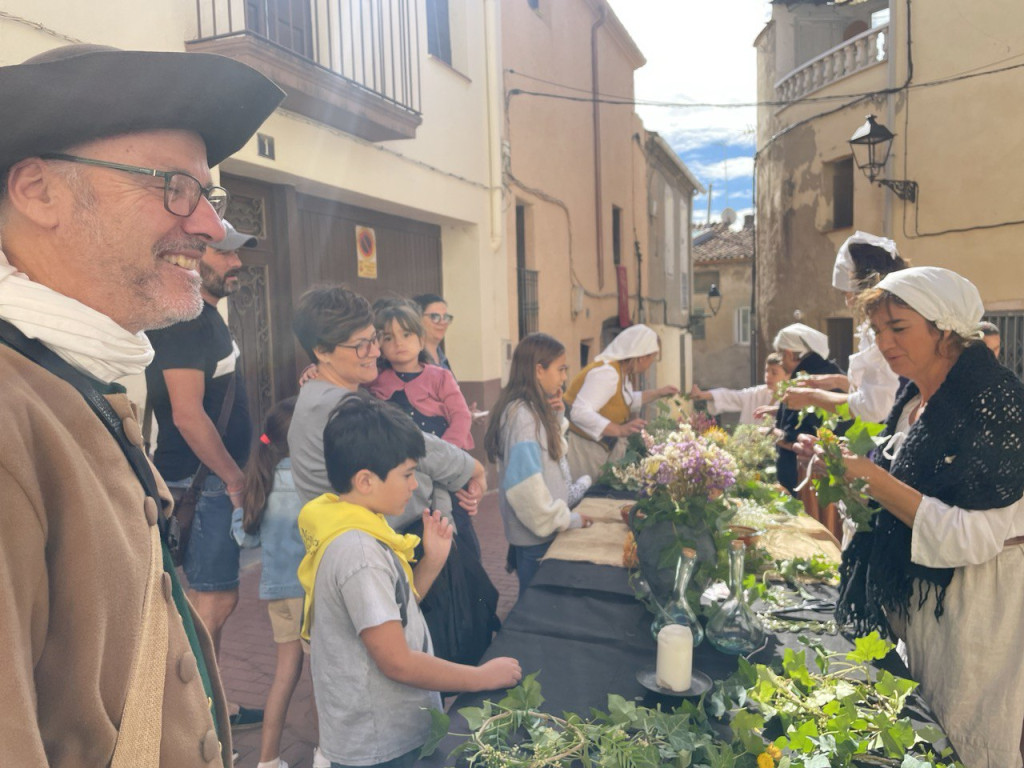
{"x": 193, "y": 378}
{"x": 106, "y": 208}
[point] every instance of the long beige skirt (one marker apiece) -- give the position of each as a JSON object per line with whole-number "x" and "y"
{"x": 970, "y": 662}
{"x": 587, "y": 457}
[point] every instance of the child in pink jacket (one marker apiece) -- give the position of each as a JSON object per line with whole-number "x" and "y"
{"x": 428, "y": 393}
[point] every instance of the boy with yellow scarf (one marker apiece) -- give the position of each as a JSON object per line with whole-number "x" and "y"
{"x": 374, "y": 673}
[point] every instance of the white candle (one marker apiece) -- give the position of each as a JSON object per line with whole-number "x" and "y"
{"x": 675, "y": 657}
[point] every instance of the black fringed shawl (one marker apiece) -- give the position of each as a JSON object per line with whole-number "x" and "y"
{"x": 967, "y": 450}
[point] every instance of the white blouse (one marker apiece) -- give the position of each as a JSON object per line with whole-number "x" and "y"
{"x": 598, "y": 388}
{"x": 945, "y": 536}
{"x": 873, "y": 385}
{"x": 746, "y": 401}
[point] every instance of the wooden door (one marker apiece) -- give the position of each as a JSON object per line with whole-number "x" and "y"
{"x": 259, "y": 312}
{"x": 408, "y": 252}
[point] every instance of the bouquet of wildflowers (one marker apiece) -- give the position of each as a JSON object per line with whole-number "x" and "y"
{"x": 685, "y": 465}
{"x": 680, "y": 483}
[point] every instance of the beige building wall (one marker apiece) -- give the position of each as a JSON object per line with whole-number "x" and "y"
{"x": 448, "y": 175}
{"x": 956, "y": 135}
{"x": 722, "y": 358}
{"x": 551, "y": 168}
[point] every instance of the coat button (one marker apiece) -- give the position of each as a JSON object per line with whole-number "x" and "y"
{"x": 133, "y": 432}
{"x": 187, "y": 668}
{"x": 165, "y": 584}
{"x": 209, "y": 747}
{"x": 150, "y": 507}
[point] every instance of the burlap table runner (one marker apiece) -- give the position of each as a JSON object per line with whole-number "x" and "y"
{"x": 603, "y": 542}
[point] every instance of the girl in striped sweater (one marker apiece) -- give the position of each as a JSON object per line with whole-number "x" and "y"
{"x": 525, "y": 436}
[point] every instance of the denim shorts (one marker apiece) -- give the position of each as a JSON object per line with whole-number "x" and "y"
{"x": 211, "y": 561}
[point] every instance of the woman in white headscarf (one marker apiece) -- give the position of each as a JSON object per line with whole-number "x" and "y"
{"x": 943, "y": 566}
{"x": 804, "y": 351}
{"x": 869, "y": 387}
{"x": 604, "y": 407}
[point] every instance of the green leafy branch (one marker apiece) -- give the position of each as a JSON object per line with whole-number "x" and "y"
{"x": 834, "y": 485}
{"x": 834, "y": 712}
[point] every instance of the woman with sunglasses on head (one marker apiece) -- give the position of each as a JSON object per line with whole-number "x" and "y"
{"x": 436, "y": 319}
{"x": 943, "y": 564}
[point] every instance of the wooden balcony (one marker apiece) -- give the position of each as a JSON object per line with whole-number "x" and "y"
{"x": 350, "y": 64}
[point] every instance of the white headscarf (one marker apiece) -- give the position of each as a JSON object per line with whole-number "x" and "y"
{"x": 844, "y": 273}
{"x": 636, "y": 341}
{"x": 940, "y": 295}
{"x": 801, "y": 338}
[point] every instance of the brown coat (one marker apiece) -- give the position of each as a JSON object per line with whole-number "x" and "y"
{"x": 74, "y": 557}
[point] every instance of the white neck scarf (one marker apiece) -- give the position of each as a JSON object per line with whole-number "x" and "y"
{"x": 86, "y": 339}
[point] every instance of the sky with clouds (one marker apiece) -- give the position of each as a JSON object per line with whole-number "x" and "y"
{"x": 701, "y": 51}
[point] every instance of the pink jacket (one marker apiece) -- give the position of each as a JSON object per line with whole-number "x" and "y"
{"x": 433, "y": 393}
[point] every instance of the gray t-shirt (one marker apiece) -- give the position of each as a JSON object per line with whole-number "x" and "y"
{"x": 445, "y": 466}
{"x": 365, "y": 717}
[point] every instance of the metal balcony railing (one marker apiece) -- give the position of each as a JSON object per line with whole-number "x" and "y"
{"x": 372, "y": 44}
{"x": 529, "y": 301}
{"x": 853, "y": 55}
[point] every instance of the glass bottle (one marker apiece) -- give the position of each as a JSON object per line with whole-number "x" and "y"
{"x": 678, "y": 610}
{"x": 735, "y": 628}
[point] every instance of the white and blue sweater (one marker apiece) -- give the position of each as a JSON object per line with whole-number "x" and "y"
{"x": 532, "y": 489}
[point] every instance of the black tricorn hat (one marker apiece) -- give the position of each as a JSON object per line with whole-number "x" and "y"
{"x": 79, "y": 93}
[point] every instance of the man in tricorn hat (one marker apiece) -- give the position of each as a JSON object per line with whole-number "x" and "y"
{"x": 106, "y": 206}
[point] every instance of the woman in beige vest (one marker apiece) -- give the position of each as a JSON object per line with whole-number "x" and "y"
{"x": 602, "y": 404}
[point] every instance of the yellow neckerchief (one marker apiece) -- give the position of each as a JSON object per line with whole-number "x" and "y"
{"x": 325, "y": 518}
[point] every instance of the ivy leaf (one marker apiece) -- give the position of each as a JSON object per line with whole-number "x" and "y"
{"x": 439, "y": 723}
{"x": 898, "y": 737}
{"x": 818, "y": 761}
{"x": 861, "y": 436}
{"x": 869, "y": 648}
{"x": 909, "y": 761}
{"x": 800, "y": 737}
{"x": 474, "y": 717}
{"x": 931, "y": 734}
{"x": 620, "y": 711}
{"x": 720, "y": 757}
{"x": 746, "y": 726}
{"x": 524, "y": 696}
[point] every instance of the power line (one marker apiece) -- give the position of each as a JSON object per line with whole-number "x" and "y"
{"x": 634, "y": 102}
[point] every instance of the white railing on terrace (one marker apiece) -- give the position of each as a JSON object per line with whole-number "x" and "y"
{"x": 860, "y": 52}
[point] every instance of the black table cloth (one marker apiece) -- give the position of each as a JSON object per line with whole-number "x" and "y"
{"x": 580, "y": 628}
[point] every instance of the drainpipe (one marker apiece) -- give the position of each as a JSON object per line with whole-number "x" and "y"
{"x": 492, "y": 45}
{"x": 598, "y": 202}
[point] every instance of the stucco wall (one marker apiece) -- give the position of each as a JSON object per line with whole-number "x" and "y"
{"x": 959, "y": 140}
{"x": 551, "y": 164}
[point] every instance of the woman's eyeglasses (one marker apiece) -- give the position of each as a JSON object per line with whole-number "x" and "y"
{"x": 362, "y": 347}
{"x": 437, "y": 317}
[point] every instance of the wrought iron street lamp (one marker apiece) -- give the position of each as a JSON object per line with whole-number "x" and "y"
{"x": 714, "y": 299}
{"x": 871, "y": 144}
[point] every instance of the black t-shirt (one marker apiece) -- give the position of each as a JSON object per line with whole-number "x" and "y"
{"x": 203, "y": 344}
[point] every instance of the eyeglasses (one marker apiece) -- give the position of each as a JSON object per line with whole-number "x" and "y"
{"x": 436, "y": 317}
{"x": 362, "y": 347}
{"x": 182, "y": 192}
